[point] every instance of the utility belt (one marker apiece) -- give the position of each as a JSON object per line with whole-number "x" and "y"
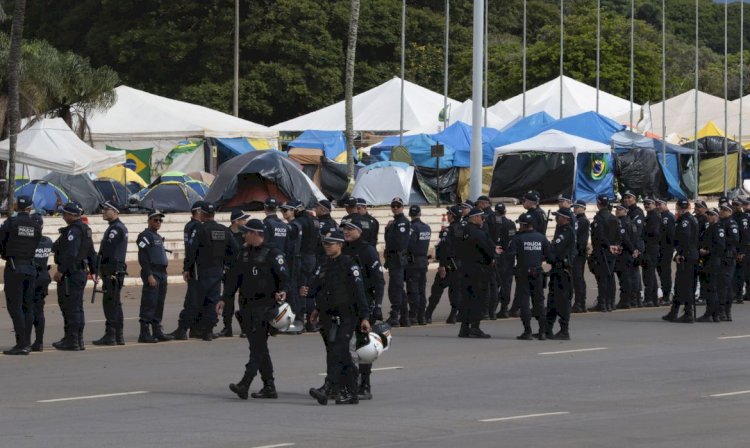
{"x": 253, "y": 301}
{"x": 532, "y": 272}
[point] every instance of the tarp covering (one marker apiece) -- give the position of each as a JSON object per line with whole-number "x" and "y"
{"x": 551, "y": 174}
{"x": 332, "y": 143}
{"x": 334, "y": 179}
{"x": 50, "y": 144}
{"x": 459, "y": 137}
{"x": 464, "y": 176}
{"x": 530, "y": 121}
{"x": 123, "y": 175}
{"x": 588, "y": 125}
{"x": 448, "y": 182}
{"x": 80, "y": 188}
{"x": 170, "y": 197}
{"x": 420, "y": 149}
{"x": 227, "y": 148}
{"x": 45, "y": 196}
{"x": 251, "y": 178}
{"x": 594, "y": 177}
{"x": 382, "y": 181}
{"x": 711, "y": 174}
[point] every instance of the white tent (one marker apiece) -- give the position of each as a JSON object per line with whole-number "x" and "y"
{"x": 50, "y": 145}
{"x": 141, "y": 120}
{"x": 733, "y": 116}
{"x": 377, "y": 109}
{"x": 380, "y": 182}
{"x": 463, "y": 112}
{"x": 553, "y": 140}
{"x": 577, "y": 98}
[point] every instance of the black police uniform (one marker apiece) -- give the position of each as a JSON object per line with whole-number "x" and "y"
{"x": 539, "y": 220}
{"x": 338, "y": 290}
{"x": 605, "y": 232}
{"x": 415, "y": 272}
{"x": 529, "y": 249}
{"x": 326, "y": 225}
{"x": 488, "y": 226}
{"x": 638, "y": 217}
{"x": 625, "y": 263}
{"x": 276, "y": 232}
{"x": 725, "y": 285}
{"x": 582, "y": 228}
{"x": 713, "y": 241}
{"x": 446, "y": 253}
{"x": 370, "y": 229}
{"x": 505, "y": 230}
{"x": 309, "y": 248}
{"x": 562, "y": 250}
{"x": 396, "y": 245}
{"x": 227, "y": 313}
{"x": 686, "y": 253}
{"x": 650, "y": 257}
{"x": 261, "y": 272}
{"x": 41, "y": 289}
{"x": 190, "y": 307}
{"x": 666, "y": 253}
{"x": 293, "y": 259}
{"x": 743, "y": 252}
{"x": 19, "y": 238}
{"x": 214, "y": 248}
{"x": 75, "y": 257}
{"x": 153, "y": 261}
{"x": 477, "y": 254}
{"x": 111, "y": 268}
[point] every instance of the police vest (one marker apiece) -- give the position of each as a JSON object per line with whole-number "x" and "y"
{"x": 156, "y": 252}
{"x": 257, "y": 282}
{"x": 216, "y": 240}
{"x": 333, "y": 274}
{"x": 23, "y": 236}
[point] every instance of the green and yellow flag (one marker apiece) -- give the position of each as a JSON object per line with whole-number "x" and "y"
{"x": 184, "y": 147}
{"x": 138, "y": 160}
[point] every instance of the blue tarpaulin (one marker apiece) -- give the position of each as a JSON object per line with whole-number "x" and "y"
{"x": 589, "y": 125}
{"x": 530, "y": 121}
{"x": 332, "y": 143}
{"x": 420, "y": 149}
{"x": 458, "y": 136}
{"x": 232, "y": 147}
{"x": 588, "y": 184}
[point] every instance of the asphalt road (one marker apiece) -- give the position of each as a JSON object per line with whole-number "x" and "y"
{"x": 626, "y": 379}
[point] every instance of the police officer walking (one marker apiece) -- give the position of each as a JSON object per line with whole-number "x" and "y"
{"x": 505, "y": 230}
{"x": 712, "y": 251}
{"x": 396, "y": 244}
{"x": 666, "y": 250}
{"x": 190, "y": 307}
{"x": 75, "y": 257}
{"x": 447, "y": 275}
{"x": 152, "y": 257}
{"x": 415, "y": 272}
{"x": 111, "y": 269}
{"x": 562, "y": 250}
{"x": 340, "y": 303}
{"x": 582, "y": 228}
{"x": 261, "y": 279}
{"x": 477, "y": 255}
{"x": 237, "y": 220}
{"x": 686, "y": 256}
{"x": 605, "y": 241}
{"x": 19, "y": 238}
{"x": 41, "y": 283}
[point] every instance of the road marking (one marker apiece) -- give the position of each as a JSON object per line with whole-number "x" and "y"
{"x": 278, "y": 445}
{"x": 90, "y": 397}
{"x": 742, "y": 336}
{"x": 729, "y": 394}
{"x": 379, "y": 369}
{"x": 519, "y": 417}
{"x": 574, "y": 351}
{"x": 104, "y": 320}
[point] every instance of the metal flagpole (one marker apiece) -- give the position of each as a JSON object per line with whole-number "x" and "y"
{"x": 742, "y": 92}
{"x": 726, "y": 121}
{"x": 695, "y": 115}
{"x": 445, "y": 71}
{"x": 524, "y": 60}
{"x": 486, "y": 58}
{"x": 562, "y": 52}
{"x": 403, "y": 61}
{"x": 598, "y": 47}
{"x": 632, "y": 60}
{"x": 663, "y": 84}
{"x": 236, "y": 86}
{"x": 475, "y": 178}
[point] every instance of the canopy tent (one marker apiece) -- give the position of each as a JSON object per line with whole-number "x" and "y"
{"x": 202, "y": 176}
{"x": 253, "y": 177}
{"x": 79, "y": 188}
{"x": 382, "y": 181}
{"x": 640, "y": 167}
{"x": 459, "y": 137}
{"x": 51, "y": 145}
{"x": 332, "y": 143}
{"x": 419, "y": 147}
{"x": 587, "y": 125}
{"x": 553, "y": 163}
{"x": 170, "y": 197}
{"x": 711, "y": 160}
{"x": 530, "y": 121}
{"x": 377, "y": 109}
{"x": 498, "y": 117}
{"x": 140, "y": 120}
{"x": 577, "y": 98}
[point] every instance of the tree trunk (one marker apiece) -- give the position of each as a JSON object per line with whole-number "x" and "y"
{"x": 351, "y": 50}
{"x": 14, "y": 112}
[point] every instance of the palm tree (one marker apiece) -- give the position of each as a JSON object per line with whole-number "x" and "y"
{"x": 14, "y": 74}
{"x": 351, "y": 50}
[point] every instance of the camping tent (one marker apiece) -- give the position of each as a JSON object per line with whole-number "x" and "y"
{"x": 316, "y": 151}
{"x": 114, "y": 191}
{"x": 382, "y": 181}
{"x": 419, "y": 147}
{"x": 377, "y": 109}
{"x": 577, "y": 98}
{"x": 140, "y": 120}
{"x": 553, "y": 163}
{"x": 80, "y": 188}
{"x": 45, "y": 196}
{"x": 171, "y": 197}
{"x": 51, "y": 145}
{"x": 253, "y": 177}
{"x": 711, "y": 160}
{"x": 331, "y": 143}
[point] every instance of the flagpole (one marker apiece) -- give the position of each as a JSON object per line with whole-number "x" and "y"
{"x": 598, "y": 47}
{"x": 663, "y": 84}
{"x": 403, "y": 63}
{"x": 486, "y": 58}
{"x": 523, "y": 109}
{"x": 632, "y": 61}
{"x": 562, "y": 51}
{"x": 695, "y": 112}
{"x": 726, "y": 121}
{"x": 445, "y": 70}
{"x": 475, "y": 177}
{"x": 236, "y": 84}
{"x": 742, "y": 92}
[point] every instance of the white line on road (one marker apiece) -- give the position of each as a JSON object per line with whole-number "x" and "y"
{"x": 729, "y": 394}
{"x": 742, "y": 336}
{"x": 89, "y": 397}
{"x": 574, "y": 351}
{"x": 379, "y": 369}
{"x": 278, "y": 445}
{"x": 519, "y": 417}
{"x": 104, "y": 320}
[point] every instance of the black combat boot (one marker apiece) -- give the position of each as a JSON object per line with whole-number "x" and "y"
{"x": 323, "y": 393}
{"x": 69, "y": 343}
{"x": 242, "y": 387}
{"x": 476, "y": 333}
{"x": 394, "y": 320}
{"x": 727, "y": 316}
{"x": 38, "y": 345}
{"x": 63, "y": 340}
{"x": 673, "y": 312}
{"x": 421, "y": 320}
{"x": 268, "y": 390}
{"x": 503, "y": 313}
{"x": 526, "y": 335}
{"x": 624, "y": 303}
{"x": 687, "y": 316}
{"x": 542, "y": 335}
{"x": 81, "y": 345}
{"x": 159, "y": 333}
{"x": 20, "y": 348}
{"x": 180, "y": 334}
{"x": 563, "y": 334}
{"x": 347, "y": 396}
{"x": 599, "y": 307}
{"x": 464, "y": 331}
{"x": 428, "y": 314}
{"x": 119, "y": 336}
{"x": 364, "y": 392}
{"x": 720, "y": 315}
{"x": 108, "y": 338}
{"x": 145, "y": 336}
{"x": 452, "y": 317}
{"x": 708, "y": 315}
{"x": 226, "y": 332}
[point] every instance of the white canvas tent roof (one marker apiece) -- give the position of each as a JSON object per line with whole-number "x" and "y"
{"x": 577, "y": 98}
{"x": 50, "y": 144}
{"x": 463, "y": 112}
{"x": 380, "y": 182}
{"x": 377, "y": 109}
{"x": 139, "y": 115}
{"x": 733, "y": 117}
{"x": 554, "y": 141}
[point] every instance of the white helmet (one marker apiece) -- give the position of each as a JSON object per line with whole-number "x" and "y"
{"x": 383, "y": 330}
{"x": 365, "y": 348}
{"x": 283, "y": 318}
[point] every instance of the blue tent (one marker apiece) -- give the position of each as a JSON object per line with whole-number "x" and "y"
{"x": 44, "y": 195}
{"x": 200, "y": 187}
{"x": 332, "y": 143}
{"x": 232, "y": 147}
{"x": 530, "y": 121}
{"x": 589, "y": 125}
{"x": 420, "y": 149}
{"x": 458, "y": 136}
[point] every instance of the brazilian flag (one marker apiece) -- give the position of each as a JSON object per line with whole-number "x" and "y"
{"x": 138, "y": 160}
{"x": 598, "y": 166}
{"x": 184, "y": 147}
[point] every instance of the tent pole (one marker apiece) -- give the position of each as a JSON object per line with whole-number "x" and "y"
{"x": 445, "y": 69}
{"x": 663, "y": 84}
{"x": 562, "y": 52}
{"x": 403, "y": 60}
{"x": 695, "y": 112}
{"x": 486, "y": 58}
{"x": 632, "y": 60}
{"x": 523, "y": 66}
{"x": 475, "y": 179}
{"x": 742, "y": 92}
{"x": 598, "y": 47}
{"x": 726, "y": 129}
{"x": 236, "y": 87}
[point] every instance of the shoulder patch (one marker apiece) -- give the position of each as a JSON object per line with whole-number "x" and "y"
{"x": 71, "y": 237}
{"x": 684, "y": 223}
{"x": 142, "y": 244}
{"x": 280, "y": 260}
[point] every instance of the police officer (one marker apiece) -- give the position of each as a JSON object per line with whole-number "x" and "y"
{"x": 638, "y": 217}
{"x": 530, "y": 202}
{"x": 505, "y": 230}
{"x": 276, "y": 229}
{"x": 340, "y": 304}
{"x": 19, "y": 238}
{"x": 582, "y": 228}
{"x": 152, "y": 257}
{"x": 743, "y": 225}
{"x": 666, "y": 250}
{"x": 477, "y": 254}
{"x": 447, "y": 276}
{"x": 208, "y": 255}
{"x": 701, "y": 215}
{"x": 415, "y": 272}
{"x": 396, "y": 244}
{"x": 529, "y": 249}
{"x": 488, "y": 226}
{"x": 41, "y": 283}
{"x": 725, "y": 284}
{"x": 292, "y": 256}
{"x": 350, "y": 206}
{"x": 745, "y": 262}
{"x": 712, "y": 251}
{"x": 625, "y": 262}
{"x": 372, "y": 272}
{"x": 237, "y": 219}
{"x": 650, "y": 258}
{"x": 370, "y": 225}
{"x": 190, "y": 308}
{"x": 261, "y": 279}
{"x": 562, "y": 250}
{"x": 565, "y": 203}
{"x": 686, "y": 256}
{"x": 605, "y": 241}
{"x": 111, "y": 269}
{"x": 309, "y": 247}
{"x": 326, "y": 223}
{"x": 75, "y": 257}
